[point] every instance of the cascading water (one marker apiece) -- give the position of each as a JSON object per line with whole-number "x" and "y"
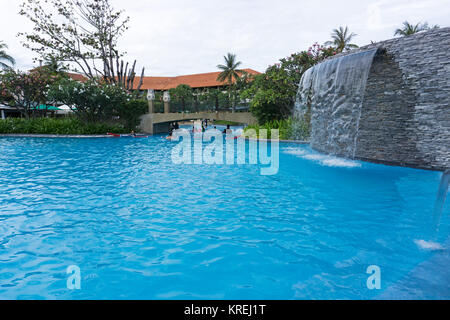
{"x": 333, "y": 93}
{"x": 440, "y": 200}
{"x": 438, "y": 208}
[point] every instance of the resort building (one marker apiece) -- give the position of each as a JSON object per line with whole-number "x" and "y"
{"x": 159, "y": 86}
{"x": 198, "y": 81}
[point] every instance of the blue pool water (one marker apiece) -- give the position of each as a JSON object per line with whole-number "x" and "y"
{"x": 141, "y": 227}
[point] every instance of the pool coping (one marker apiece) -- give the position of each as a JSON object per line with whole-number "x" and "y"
{"x": 270, "y": 140}
{"x": 38, "y": 135}
{"x": 32, "y": 135}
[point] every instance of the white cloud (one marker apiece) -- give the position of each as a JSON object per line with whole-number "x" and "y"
{"x": 173, "y": 37}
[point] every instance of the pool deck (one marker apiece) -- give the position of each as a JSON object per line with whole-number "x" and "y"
{"x": 270, "y": 140}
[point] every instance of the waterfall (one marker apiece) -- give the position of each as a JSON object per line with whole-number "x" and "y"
{"x": 438, "y": 207}
{"x": 440, "y": 200}
{"x": 333, "y": 91}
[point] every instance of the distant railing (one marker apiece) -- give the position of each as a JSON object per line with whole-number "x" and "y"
{"x": 201, "y": 106}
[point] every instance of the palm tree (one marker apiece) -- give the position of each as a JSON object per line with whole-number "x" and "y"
{"x": 5, "y": 57}
{"x": 409, "y": 29}
{"x": 341, "y": 39}
{"x": 229, "y": 73}
{"x": 54, "y": 65}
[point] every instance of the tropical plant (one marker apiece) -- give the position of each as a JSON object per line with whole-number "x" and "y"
{"x": 342, "y": 39}
{"x": 409, "y": 29}
{"x": 57, "y": 126}
{"x": 129, "y": 113}
{"x": 288, "y": 129}
{"x": 272, "y": 94}
{"x": 25, "y": 91}
{"x": 91, "y": 101}
{"x": 54, "y": 65}
{"x": 5, "y": 57}
{"x": 182, "y": 94}
{"x": 230, "y": 73}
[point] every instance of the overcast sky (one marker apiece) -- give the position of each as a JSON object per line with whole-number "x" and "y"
{"x": 175, "y": 37}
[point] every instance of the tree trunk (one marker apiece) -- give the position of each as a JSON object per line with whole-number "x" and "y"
{"x": 234, "y": 100}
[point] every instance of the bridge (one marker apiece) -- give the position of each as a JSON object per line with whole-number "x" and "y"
{"x": 154, "y": 123}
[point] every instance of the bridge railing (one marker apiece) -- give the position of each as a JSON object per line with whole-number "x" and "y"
{"x": 200, "y": 106}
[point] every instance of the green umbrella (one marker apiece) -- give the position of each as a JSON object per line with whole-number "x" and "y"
{"x": 45, "y": 107}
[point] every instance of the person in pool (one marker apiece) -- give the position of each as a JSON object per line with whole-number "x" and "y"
{"x": 227, "y": 130}
{"x": 133, "y": 133}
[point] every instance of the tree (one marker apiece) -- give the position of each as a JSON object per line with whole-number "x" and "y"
{"x": 409, "y": 29}
{"x": 183, "y": 94}
{"x": 214, "y": 98}
{"x": 5, "y": 56}
{"x": 84, "y": 33}
{"x": 129, "y": 113}
{"x": 341, "y": 39}
{"x": 25, "y": 91}
{"x": 54, "y": 65}
{"x": 230, "y": 73}
{"x": 91, "y": 101}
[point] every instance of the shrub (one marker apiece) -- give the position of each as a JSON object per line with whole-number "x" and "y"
{"x": 130, "y": 112}
{"x": 25, "y": 91}
{"x": 289, "y": 129}
{"x": 94, "y": 101}
{"x": 272, "y": 94}
{"x": 57, "y": 126}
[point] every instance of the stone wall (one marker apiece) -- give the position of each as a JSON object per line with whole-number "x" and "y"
{"x": 405, "y": 115}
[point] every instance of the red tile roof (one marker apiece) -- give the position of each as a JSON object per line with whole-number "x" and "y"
{"x": 77, "y": 77}
{"x": 200, "y": 80}
{"x": 74, "y": 76}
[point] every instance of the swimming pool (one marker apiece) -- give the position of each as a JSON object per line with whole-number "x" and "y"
{"x": 140, "y": 227}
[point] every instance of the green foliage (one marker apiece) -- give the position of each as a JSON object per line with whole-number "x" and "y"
{"x": 230, "y": 73}
{"x": 342, "y": 38}
{"x": 130, "y": 112}
{"x": 182, "y": 94}
{"x": 289, "y": 129}
{"x": 225, "y": 123}
{"x": 230, "y": 69}
{"x": 409, "y": 29}
{"x": 4, "y": 56}
{"x": 78, "y": 32}
{"x": 53, "y": 65}
{"x": 56, "y": 126}
{"x": 25, "y": 91}
{"x": 272, "y": 94}
{"x": 92, "y": 101}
